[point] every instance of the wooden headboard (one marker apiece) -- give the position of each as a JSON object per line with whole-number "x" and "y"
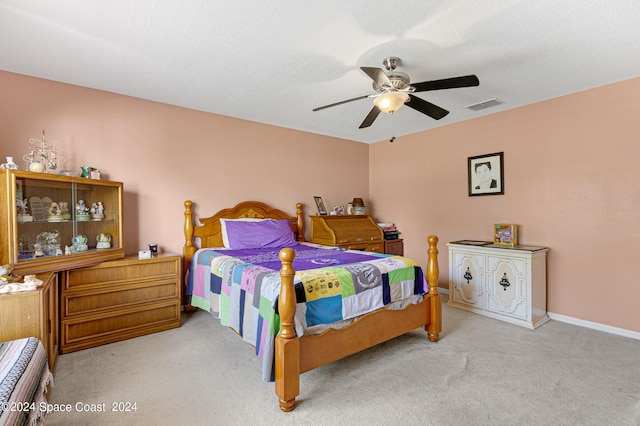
{"x": 209, "y": 231}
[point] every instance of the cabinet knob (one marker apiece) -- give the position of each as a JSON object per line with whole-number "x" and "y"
{"x": 504, "y": 282}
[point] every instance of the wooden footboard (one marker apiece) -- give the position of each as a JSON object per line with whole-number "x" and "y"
{"x": 295, "y": 356}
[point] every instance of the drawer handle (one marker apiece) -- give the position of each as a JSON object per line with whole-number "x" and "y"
{"x": 359, "y": 239}
{"x": 468, "y": 276}
{"x": 504, "y": 282}
{"x": 343, "y": 241}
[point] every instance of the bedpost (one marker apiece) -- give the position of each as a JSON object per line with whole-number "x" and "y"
{"x": 300, "y": 221}
{"x": 435, "y": 324}
{"x": 287, "y": 353}
{"x": 187, "y": 251}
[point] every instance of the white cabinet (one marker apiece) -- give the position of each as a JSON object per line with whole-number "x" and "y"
{"x": 509, "y": 284}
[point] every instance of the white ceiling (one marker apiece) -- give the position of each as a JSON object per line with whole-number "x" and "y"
{"x": 274, "y": 61}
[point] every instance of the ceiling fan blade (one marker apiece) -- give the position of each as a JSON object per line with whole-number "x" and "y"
{"x": 378, "y": 76}
{"x": 433, "y": 111}
{"x": 370, "y": 118}
{"x": 447, "y": 83}
{"x": 341, "y": 102}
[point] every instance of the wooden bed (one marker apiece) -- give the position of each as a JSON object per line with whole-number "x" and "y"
{"x": 295, "y": 355}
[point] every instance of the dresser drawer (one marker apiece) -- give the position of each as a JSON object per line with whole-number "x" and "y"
{"x": 372, "y": 247}
{"x": 356, "y": 237}
{"x": 376, "y": 247}
{"x": 128, "y": 269}
{"x": 88, "y": 302}
{"x": 394, "y": 247}
{"x": 85, "y": 332}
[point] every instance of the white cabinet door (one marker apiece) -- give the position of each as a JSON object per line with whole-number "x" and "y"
{"x": 468, "y": 278}
{"x": 507, "y": 289}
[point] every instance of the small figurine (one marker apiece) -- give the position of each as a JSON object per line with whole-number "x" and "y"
{"x": 82, "y": 211}
{"x": 97, "y": 211}
{"x": 64, "y": 210}
{"x": 32, "y": 281}
{"x": 79, "y": 244}
{"x": 55, "y": 213}
{"x": 22, "y": 206}
{"x": 23, "y": 215}
{"x": 104, "y": 241}
{"x": 7, "y": 275}
{"x": 39, "y": 252}
{"x": 48, "y": 244}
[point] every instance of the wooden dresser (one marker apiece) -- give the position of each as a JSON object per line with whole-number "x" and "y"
{"x": 356, "y": 232}
{"x": 33, "y": 314}
{"x": 119, "y": 300}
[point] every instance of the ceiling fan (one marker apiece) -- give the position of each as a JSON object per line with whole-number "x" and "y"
{"x": 393, "y": 91}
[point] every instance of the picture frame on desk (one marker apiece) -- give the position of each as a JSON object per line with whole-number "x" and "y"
{"x": 486, "y": 174}
{"x": 505, "y": 234}
{"x": 320, "y": 205}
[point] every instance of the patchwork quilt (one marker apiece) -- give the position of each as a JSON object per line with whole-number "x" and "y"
{"x": 241, "y": 288}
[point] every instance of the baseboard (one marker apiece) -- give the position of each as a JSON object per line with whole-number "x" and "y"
{"x": 595, "y": 326}
{"x": 582, "y": 323}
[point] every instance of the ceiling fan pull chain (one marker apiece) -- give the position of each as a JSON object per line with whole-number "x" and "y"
{"x": 393, "y": 128}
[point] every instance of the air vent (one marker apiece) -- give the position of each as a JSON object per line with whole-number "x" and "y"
{"x": 485, "y": 104}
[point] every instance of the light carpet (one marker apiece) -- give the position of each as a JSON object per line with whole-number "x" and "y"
{"x": 481, "y": 372}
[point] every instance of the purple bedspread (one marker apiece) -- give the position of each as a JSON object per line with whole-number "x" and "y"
{"x": 307, "y": 257}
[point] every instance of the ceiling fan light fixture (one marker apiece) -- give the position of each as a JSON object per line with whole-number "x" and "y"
{"x": 391, "y": 102}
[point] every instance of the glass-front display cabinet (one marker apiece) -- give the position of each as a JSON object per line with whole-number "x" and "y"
{"x": 53, "y": 223}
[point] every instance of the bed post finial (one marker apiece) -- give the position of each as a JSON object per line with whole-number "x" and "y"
{"x": 287, "y": 300}
{"x": 300, "y": 221}
{"x": 188, "y": 250}
{"x": 287, "y": 363}
{"x": 435, "y": 324}
{"x": 433, "y": 272}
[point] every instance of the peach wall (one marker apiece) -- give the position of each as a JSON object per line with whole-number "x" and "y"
{"x": 166, "y": 154}
{"x": 570, "y": 169}
{"x": 572, "y": 183}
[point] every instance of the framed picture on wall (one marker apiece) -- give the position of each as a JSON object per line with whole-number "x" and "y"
{"x": 320, "y": 205}
{"x": 486, "y": 174}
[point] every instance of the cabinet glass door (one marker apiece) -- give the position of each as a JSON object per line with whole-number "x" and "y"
{"x": 44, "y": 220}
{"x": 60, "y": 222}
